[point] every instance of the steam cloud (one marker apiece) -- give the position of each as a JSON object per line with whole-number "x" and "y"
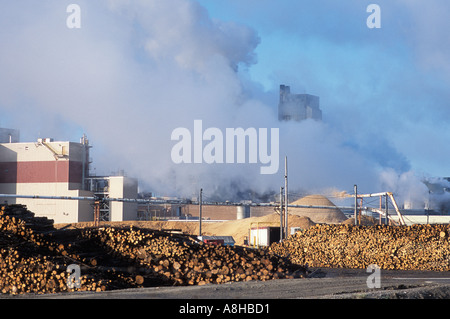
{"x": 137, "y": 70}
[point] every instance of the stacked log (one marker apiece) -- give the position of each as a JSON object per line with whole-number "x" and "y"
{"x": 29, "y": 220}
{"x": 35, "y": 257}
{"x": 183, "y": 261}
{"x": 29, "y": 261}
{"x": 416, "y": 247}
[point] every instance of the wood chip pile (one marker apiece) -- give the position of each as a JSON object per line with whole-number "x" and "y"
{"x": 416, "y": 247}
{"x": 35, "y": 257}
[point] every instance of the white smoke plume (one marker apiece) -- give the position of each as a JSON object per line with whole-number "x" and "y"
{"x": 136, "y": 70}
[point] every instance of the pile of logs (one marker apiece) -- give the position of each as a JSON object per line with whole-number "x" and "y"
{"x": 416, "y": 247}
{"x": 27, "y": 218}
{"x": 29, "y": 261}
{"x": 181, "y": 260}
{"x": 35, "y": 257}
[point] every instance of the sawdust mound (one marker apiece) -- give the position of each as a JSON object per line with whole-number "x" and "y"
{"x": 331, "y": 215}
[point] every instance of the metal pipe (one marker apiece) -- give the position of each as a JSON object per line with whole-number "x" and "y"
{"x": 47, "y": 197}
{"x": 370, "y": 195}
{"x": 164, "y": 201}
{"x": 399, "y": 214}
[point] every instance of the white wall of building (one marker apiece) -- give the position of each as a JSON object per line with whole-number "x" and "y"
{"x": 123, "y": 187}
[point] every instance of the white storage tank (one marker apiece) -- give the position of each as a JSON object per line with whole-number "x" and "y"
{"x": 242, "y": 212}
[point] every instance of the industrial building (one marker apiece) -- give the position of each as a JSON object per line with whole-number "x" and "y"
{"x": 297, "y": 107}
{"x": 189, "y": 211}
{"x": 59, "y": 169}
{"x": 108, "y": 187}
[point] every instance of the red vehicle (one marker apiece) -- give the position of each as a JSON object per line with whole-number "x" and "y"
{"x": 213, "y": 241}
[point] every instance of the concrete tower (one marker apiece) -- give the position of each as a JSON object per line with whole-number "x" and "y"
{"x": 297, "y": 107}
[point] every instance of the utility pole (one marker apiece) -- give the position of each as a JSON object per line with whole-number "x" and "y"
{"x": 281, "y": 214}
{"x": 286, "y": 202}
{"x": 356, "y": 204}
{"x": 97, "y": 213}
{"x": 381, "y": 207}
{"x": 387, "y": 209}
{"x": 200, "y": 211}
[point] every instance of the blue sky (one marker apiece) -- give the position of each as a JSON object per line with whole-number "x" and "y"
{"x": 393, "y": 82}
{"x": 136, "y": 70}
